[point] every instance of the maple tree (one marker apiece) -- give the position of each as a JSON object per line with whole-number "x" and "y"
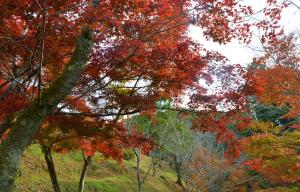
{"x": 64, "y": 134}
{"x": 209, "y": 161}
{"x": 271, "y": 146}
{"x": 274, "y": 78}
{"x": 128, "y": 54}
{"x": 268, "y": 114}
{"x": 61, "y": 134}
{"x": 273, "y": 83}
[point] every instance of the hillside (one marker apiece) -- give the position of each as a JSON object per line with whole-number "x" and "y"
{"x": 103, "y": 175}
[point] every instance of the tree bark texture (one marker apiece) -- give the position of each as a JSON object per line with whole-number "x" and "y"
{"x": 26, "y": 123}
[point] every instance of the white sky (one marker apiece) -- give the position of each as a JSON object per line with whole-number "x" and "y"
{"x": 238, "y": 53}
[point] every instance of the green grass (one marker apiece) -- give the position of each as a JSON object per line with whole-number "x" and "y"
{"x": 103, "y": 175}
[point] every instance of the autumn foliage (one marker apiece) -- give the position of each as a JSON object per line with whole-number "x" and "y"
{"x": 141, "y": 52}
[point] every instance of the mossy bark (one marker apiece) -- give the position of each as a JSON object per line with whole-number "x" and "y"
{"x": 27, "y": 122}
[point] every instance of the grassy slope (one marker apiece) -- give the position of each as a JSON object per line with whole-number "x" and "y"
{"x": 103, "y": 175}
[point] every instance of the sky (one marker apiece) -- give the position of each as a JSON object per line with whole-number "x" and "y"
{"x": 238, "y": 53}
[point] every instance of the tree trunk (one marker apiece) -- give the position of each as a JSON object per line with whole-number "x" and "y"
{"x": 5, "y": 125}
{"x": 154, "y": 170}
{"x": 87, "y": 161}
{"x": 137, "y": 153}
{"x": 187, "y": 176}
{"x": 51, "y": 168}
{"x": 188, "y": 184}
{"x": 26, "y": 123}
{"x": 178, "y": 171}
